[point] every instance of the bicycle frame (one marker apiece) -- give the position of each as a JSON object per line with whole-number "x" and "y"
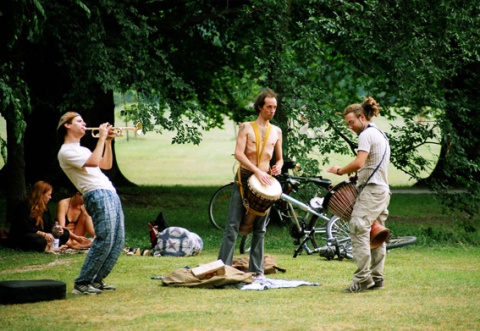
{"x": 331, "y": 249}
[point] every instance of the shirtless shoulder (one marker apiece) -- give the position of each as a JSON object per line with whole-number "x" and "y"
{"x": 245, "y": 126}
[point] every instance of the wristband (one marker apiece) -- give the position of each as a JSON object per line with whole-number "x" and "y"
{"x": 338, "y": 169}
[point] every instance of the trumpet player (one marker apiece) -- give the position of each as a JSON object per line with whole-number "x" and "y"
{"x": 83, "y": 168}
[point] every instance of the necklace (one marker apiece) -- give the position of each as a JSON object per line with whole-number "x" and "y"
{"x": 263, "y": 131}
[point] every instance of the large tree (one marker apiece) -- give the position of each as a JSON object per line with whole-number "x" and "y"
{"x": 419, "y": 58}
{"x": 193, "y": 61}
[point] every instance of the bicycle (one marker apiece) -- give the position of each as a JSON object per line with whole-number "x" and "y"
{"x": 299, "y": 222}
{"x": 329, "y": 238}
{"x": 337, "y": 233}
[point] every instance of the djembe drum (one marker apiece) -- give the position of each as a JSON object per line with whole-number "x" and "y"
{"x": 258, "y": 200}
{"x": 340, "y": 201}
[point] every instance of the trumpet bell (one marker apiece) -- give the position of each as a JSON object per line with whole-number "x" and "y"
{"x": 378, "y": 235}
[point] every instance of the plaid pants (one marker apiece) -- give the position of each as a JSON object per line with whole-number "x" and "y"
{"x": 105, "y": 208}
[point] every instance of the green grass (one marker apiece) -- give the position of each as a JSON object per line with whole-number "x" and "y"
{"x": 430, "y": 285}
{"x": 426, "y": 289}
{"x": 151, "y": 159}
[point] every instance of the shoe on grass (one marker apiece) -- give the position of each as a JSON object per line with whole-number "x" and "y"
{"x": 378, "y": 285}
{"x": 259, "y": 276}
{"x": 359, "y": 287}
{"x": 85, "y": 289}
{"x": 103, "y": 287}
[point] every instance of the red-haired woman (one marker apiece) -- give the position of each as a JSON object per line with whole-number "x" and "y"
{"x": 31, "y": 228}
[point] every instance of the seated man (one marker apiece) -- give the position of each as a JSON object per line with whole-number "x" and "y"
{"x": 72, "y": 215}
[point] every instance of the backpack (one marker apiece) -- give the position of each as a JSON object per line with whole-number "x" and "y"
{"x": 177, "y": 241}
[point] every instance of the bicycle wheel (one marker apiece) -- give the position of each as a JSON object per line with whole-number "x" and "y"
{"x": 396, "y": 242}
{"x": 340, "y": 229}
{"x": 219, "y": 205}
{"x": 318, "y": 238}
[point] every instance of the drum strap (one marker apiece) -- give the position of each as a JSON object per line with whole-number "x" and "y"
{"x": 259, "y": 153}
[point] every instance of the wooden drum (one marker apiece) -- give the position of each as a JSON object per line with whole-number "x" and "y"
{"x": 258, "y": 200}
{"x": 341, "y": 199}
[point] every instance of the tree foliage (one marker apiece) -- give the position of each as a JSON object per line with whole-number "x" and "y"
{"x": 192, "y": 62}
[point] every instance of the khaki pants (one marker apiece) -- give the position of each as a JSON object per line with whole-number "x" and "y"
{"x": 371, "y": 205}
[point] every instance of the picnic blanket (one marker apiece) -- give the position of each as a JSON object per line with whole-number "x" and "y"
{"x": 233, "y": 279}
{"x": 273, "y": 283}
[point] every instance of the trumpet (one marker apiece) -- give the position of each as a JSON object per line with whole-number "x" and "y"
{"x": 117, "y": 132}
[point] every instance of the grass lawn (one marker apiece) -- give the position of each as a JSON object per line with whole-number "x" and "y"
{"x": 433, "y": 285}
{"x": 151, "y": 159}
{"x": 426, "y": 289}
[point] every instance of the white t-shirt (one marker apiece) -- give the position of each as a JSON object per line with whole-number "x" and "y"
{"x": 72, "y": 157}
{"x": 373, "y": 141}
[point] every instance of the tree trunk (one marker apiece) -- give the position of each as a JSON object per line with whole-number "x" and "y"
{"x": 463, "y": 98}
{"x": 104, "y": 111}
{"x": 35, "y": 157}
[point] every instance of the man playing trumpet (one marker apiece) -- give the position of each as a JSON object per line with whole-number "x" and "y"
{"x": 83, "y": 168}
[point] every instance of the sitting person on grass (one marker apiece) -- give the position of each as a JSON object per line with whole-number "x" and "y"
{"x": 31, "y": 228}
{"x": 72, "y": 215}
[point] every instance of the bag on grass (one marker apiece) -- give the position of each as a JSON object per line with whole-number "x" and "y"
{"x": 184, "y": 277}
{"x": 269, "y": 264}
{"x": 177, "y": 241}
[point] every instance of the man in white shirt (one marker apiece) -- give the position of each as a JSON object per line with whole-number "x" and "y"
{"x": 83, "y": 168}
{"x": 371, "y": 162}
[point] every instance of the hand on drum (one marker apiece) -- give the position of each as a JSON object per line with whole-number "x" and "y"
{"x": 264, "y": 178}
{"x": 276, "y": 170}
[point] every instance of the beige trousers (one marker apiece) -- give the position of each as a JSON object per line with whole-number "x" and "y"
{"x": 371, "y": 205}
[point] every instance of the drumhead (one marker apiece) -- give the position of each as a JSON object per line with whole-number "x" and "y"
{"x": 270, "y": 192}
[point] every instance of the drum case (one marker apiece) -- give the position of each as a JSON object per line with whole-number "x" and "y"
{"x": 23, "y": 291}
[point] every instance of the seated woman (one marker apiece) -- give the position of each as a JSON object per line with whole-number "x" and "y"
{"x": 33, "y": 222}
{"x": 72, "y": 215}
